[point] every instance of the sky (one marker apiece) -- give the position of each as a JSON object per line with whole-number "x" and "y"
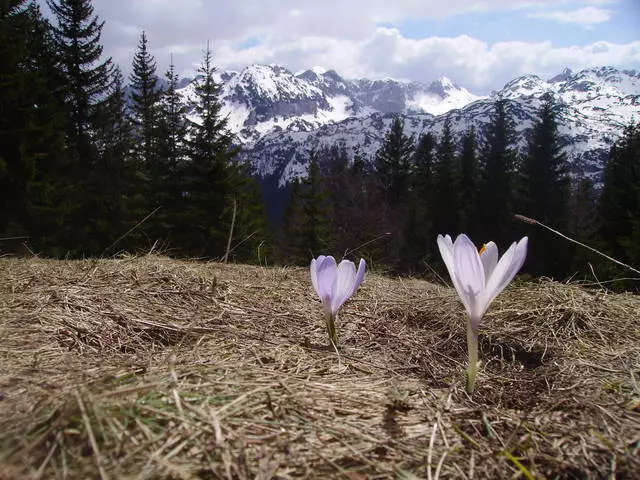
{"x": 478, "y": 44}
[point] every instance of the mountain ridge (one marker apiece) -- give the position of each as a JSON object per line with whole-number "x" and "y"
{"x": 278, "y": 115}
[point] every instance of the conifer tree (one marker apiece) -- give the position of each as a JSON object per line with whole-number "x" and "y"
{"x": 620, "y": 200}
{"x": 33, "y": 126}
{"x": 167, "y": 183}
{"x": 419, "y": 226}
{"x": 393, "y": 161}
{"x": 207, "y": 183}
{"x": 583, "y": 223}
{"x": 112, "y": 180}
{"x": 469, "y": 178}
{"x": 87, "y": 74}
{"x": 88, "y": 81}
{"x": 145, "y": 97}
{"x": 446, "y": 185}
{"x": 307, "y": 229}
{"x": 543, "y": 193}
{"x": 496, "y": 195}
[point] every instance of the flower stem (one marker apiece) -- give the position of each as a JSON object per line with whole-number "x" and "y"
{"x": 331, "y": 329}
{"x": 472, "y": 347}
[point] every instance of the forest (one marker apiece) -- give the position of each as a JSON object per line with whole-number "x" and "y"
{"x": 93, "y": 164}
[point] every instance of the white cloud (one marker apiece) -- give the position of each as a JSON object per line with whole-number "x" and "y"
{"x": 468, "y": 61}
{"x": 584, "y": 16}
{"x": 347, "y": 36}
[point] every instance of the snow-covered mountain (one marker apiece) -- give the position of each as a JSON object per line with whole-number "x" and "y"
{"x": 279, "y": 115}
{"x": 263, "y": 99}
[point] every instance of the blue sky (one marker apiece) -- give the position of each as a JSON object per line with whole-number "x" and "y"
{"x": 479, "y": 44}
{"x": 616, "y": 22}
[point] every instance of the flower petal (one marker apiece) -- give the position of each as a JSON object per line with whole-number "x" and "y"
{"x": 359, "y": 276}
{"x": 314, "y": 272}
{"x": 507, "y": 268}
{"x": 445, "y": 245}
{"x": 343, "y": 285}
{"x": 489, "y": 257}
{"x": 470, "y": 275}
{"x": 326, "y": 275}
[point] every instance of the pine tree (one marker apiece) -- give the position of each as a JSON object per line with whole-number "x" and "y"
{"x": 145, "y": 97}
{"x": 167, "y": 183}
{"x": 33, "y": 125}
{"x": 393, "y": 162}
{"x": 446, "y": 185}
{"x": 583, "y": 223}
{"x": 112, "y": 180}
{"x": 419, "y": 229}
{"x": 88, "y": 81}
{"x": 496, "y": 195}
{"x": 469, "y": 178}
{"x": 544, "y": 193}
{"x": 250, "y": 235}
{"x": 620, "y": 200}
{"x": 307, "y": 229}
{"x": 210, "y": 151}
{"x": 88, "y": 76}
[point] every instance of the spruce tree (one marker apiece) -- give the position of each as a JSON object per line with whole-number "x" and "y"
{"x": 145, "y": 97}
{"x": 87, "y": 74}
{"x": 393, "y": 162}
{"x": 210, "y": 151}
{"x": 419, "y": 229}
{"x": 583, "y": 223}
{"x": 469, "y": 178}
{"x": 496, "y": 189}
{"x": 307, "y": 229}
{"x": 88, "y": 81}
{"x": 33, "y": 123}
{"x": 543, "y": 193}
{"x": 112, "y": 180}
{"x": 620, "y": 200}
{"x": 446, "y": 185}
{"x": 168, "y": 184}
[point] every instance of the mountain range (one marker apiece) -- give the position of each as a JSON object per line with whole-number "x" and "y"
{"x": 278, "y": 115}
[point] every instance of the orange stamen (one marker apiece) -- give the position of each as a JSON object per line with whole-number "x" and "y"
{"x": 483, "y": 249}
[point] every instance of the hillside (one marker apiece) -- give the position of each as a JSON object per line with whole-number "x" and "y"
{"x": 278, "y": 115}
{"x": 156, "y": 368}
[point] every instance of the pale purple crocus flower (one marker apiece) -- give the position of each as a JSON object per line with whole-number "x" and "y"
{"x": 478, "y": 277}
{"x": 335, "y": 284}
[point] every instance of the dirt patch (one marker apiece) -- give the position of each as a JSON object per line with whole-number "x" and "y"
{"x": 154, "y": 368}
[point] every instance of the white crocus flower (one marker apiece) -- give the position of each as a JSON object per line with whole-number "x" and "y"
{"x": 335, "y": 284}
{"x": 479, "y": 277}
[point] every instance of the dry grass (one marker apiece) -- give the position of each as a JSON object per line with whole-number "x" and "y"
{"x": 156, "y": 368}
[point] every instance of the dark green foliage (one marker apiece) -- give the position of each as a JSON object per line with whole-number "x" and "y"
{"x": 393, "y": 162}
{"x": 543, "y": 194}
{"x": 250, "y": 239}
{"x": 207, "y": 182}
{"x": 145, "y": 97}
{"x": 87, "y": 86}
{"x": 419, "y": 229}
{"x": 446, "y": 185}
{"x": 496, "y": 189}
{"x": 165, "y": 174}
{"x": 620, "y": 201}
{"x": 87, "y": 75}
{"x": 33, "y": 125}
{"x": 307, "y": 228}
{"x": 112, "y": 180}
{"x": 583, "y": 225}
{"x": 469, "y": 179}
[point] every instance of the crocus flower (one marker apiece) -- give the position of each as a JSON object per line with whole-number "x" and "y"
{"x": 335, "y": 284}
{"x": 478, "y": 277}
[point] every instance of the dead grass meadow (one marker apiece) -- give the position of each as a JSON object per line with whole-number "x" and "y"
{"x": 148, "y": 367}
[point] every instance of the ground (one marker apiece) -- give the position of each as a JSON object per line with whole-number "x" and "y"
{"x": 148, "y": 367}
